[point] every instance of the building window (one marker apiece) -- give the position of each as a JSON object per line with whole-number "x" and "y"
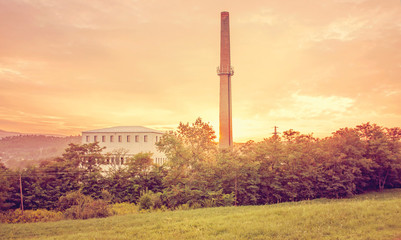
{"x": 103, "y": 138}
{"x": 120, "y": 138}
{"x": 157, "y": 138}
{"x": 87, "y": 138}
{"x": 136, "y": 138}
{"x": 111, "y": 138}
{"x": 128, "y": 138}
{"x": 122, "y": 161}
{"x": 145, "y": 138}
{"x": 94, "y": 138}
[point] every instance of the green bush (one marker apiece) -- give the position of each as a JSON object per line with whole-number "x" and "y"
{"x": 218, "y": 199}
{"x": 73, "y": 199}
{"x": 145, "y": 201}
{"x": 183, "y": 207}
{"x": 227, "y": 200}
{"x": 106, "y": 196}
{"x": 78, "y": 206}
{"x": 124, "y": 208}
{"x": 208, "y": 202}
{"x": 91, "y": 209}
{"x": 157, "y": 200}
{"x": 150, "y": 200}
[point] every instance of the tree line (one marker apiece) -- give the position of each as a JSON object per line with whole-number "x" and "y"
{"x": 291, "y": 167}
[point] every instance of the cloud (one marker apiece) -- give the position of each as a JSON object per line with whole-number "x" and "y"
{"x": 7, "y": 71}
{"x": 343, "y": 30}
{"x": 139, "y": 62}
{"x": 10, "y": 75}
{"x": 263, "y": 17}
{"x": 351, "y": 1}
{"x": 370, "y": 21}
{"x": 312, "y": 107}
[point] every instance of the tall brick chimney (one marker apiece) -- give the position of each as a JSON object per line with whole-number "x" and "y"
{"x": 225, "y": 72}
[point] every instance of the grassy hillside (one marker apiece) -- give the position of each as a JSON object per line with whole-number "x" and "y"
{"x": 369, "y": 216}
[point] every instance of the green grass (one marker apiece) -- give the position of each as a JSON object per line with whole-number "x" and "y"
{"x": 368, "y": 216}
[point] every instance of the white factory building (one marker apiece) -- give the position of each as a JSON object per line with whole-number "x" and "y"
{"x": 123, "y": 142}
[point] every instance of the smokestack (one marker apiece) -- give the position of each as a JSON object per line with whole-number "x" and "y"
{"x": 225, "y": 72}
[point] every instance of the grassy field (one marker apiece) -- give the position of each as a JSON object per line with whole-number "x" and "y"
{"x": 369, "y": 216}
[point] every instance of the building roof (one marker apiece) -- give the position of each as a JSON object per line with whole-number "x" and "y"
{"x": 124, "y": 129}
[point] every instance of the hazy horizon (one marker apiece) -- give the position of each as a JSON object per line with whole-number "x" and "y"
{"x": 312, "y": 66}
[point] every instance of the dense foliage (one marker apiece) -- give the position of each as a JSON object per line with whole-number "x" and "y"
{"x": 291, "y": 167}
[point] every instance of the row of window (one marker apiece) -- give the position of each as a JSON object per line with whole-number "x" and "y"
{"x": 122, "y": 160}
{"x": 160, "y": 161}
{"x": 119, "y": 138}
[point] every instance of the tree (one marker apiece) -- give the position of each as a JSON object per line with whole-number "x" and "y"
{"x": 140, "y": 164}
{"x": 237, "y": 174}
{"x": 344, "y": 157}
{"x": 191, "y": 150}
{"x": 145, "y": 174}
{"x": 119, "y": 184}
{"x": 384, "y": 150}
{"x": 86, "y": 156}
{"x": 287, "y": 168}
{"x": 126, "y": 184}
{"x": 186, "y": 149}
{"x": 5, "y": 188}
{"x": 86, "y": 159}
{"x": 57, "y": 178}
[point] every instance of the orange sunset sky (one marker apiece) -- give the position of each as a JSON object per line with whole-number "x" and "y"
{"x": 310, "y": 65}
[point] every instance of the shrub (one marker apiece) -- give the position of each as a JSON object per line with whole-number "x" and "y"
{"x": 78, "y": 206}
{"x": 208, "y": 202}
{"x": 183, "y": 207}
{"x": 72, "y": 199}
{"x": 157, "y": 200}
{"x": 227, "y": 200}
{"x": 196, "y": 205}
{"x": 92, "y": 209}
{"x": 40, "y": 215}
{"x": 218, "y": 199}
{"x": 150, "y": 200}
{"x": 106, "y": 196}
{"x": 124, "y": 208}
{"x": 145, "y": 201}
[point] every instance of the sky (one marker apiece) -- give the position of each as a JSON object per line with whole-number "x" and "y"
{"x": 309, "y": 65}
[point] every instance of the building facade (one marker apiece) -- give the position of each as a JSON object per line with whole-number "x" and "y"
{"x": 123, "y": 142}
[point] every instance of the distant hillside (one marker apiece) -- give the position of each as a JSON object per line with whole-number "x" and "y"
{"x": 24, "y": 150}
{"x": 4, "y": 134}
{"x": 8, "y": 134}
